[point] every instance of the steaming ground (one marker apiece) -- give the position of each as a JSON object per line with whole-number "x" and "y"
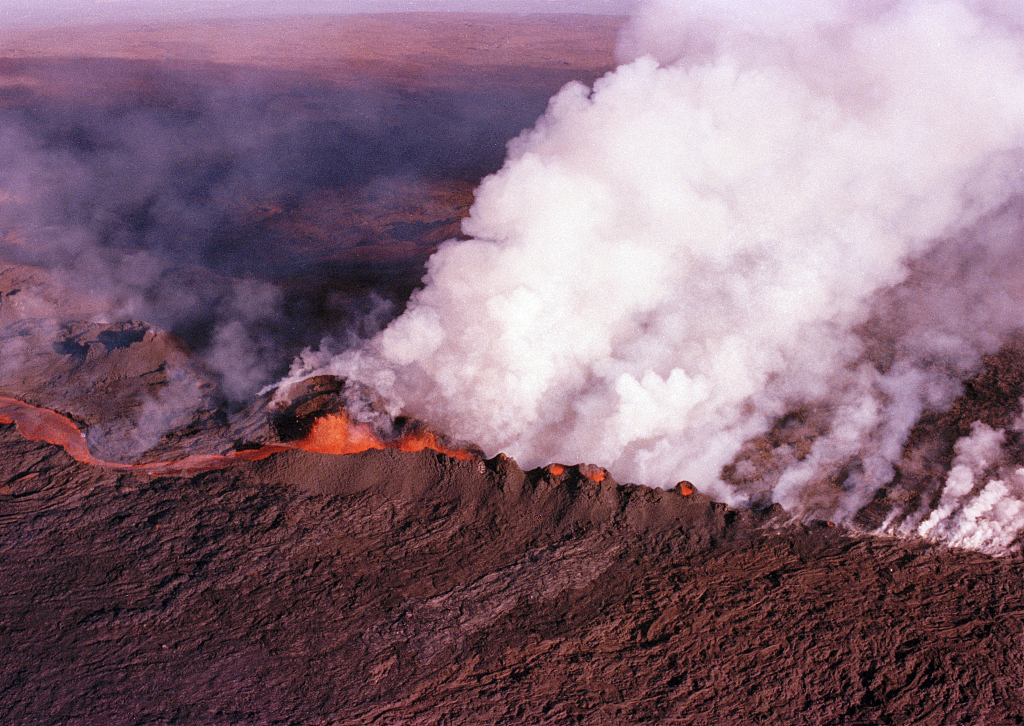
{"x": 814, "y": 212}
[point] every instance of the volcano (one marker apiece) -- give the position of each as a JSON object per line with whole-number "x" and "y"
{"x": 212, "y": 512}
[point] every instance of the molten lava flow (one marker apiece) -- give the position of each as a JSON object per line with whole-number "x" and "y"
{"x": 41, "y": 424}
{"x": 336, "y": 434}
{"x": 421, "y": 440}
{"x": 594, "y": 473}
{"x": 332, "y": 434}
{"x": 202, "y": 462}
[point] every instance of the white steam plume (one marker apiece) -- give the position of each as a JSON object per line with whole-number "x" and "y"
{"x": 974, "y": 455}
{"x": 672, "y": 260}
{"x": 973, "y": 512}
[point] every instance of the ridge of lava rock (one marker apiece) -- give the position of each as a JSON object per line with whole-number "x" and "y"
{"x": 399, "y": 587}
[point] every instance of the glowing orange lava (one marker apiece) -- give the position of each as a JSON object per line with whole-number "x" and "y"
{"x": 336, "y": 434}
{"x": 42, "y": 424}
{"x": 425, "y": 440}
{"x": 594, "y": 473}
{"x": 331, "y": 434}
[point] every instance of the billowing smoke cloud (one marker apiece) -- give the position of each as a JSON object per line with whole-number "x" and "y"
{"x": 762, "y": 210}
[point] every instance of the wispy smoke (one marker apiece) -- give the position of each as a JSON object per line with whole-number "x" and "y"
{"x": 811, "y": 207}
{"x": 982, "y": 501}
{"x": 137, "y": 198}
{"x": 147, "y": 187}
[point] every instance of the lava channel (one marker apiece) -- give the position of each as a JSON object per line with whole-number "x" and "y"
{"x": 331, "y": 434}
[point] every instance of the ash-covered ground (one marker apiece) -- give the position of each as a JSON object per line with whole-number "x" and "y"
{"x": 186, "y": 208}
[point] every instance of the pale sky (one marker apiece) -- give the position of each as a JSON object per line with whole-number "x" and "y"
{"x": 73, "y": 12}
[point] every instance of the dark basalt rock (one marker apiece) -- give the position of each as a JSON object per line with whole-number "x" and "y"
{"x": 389, "y": 587}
